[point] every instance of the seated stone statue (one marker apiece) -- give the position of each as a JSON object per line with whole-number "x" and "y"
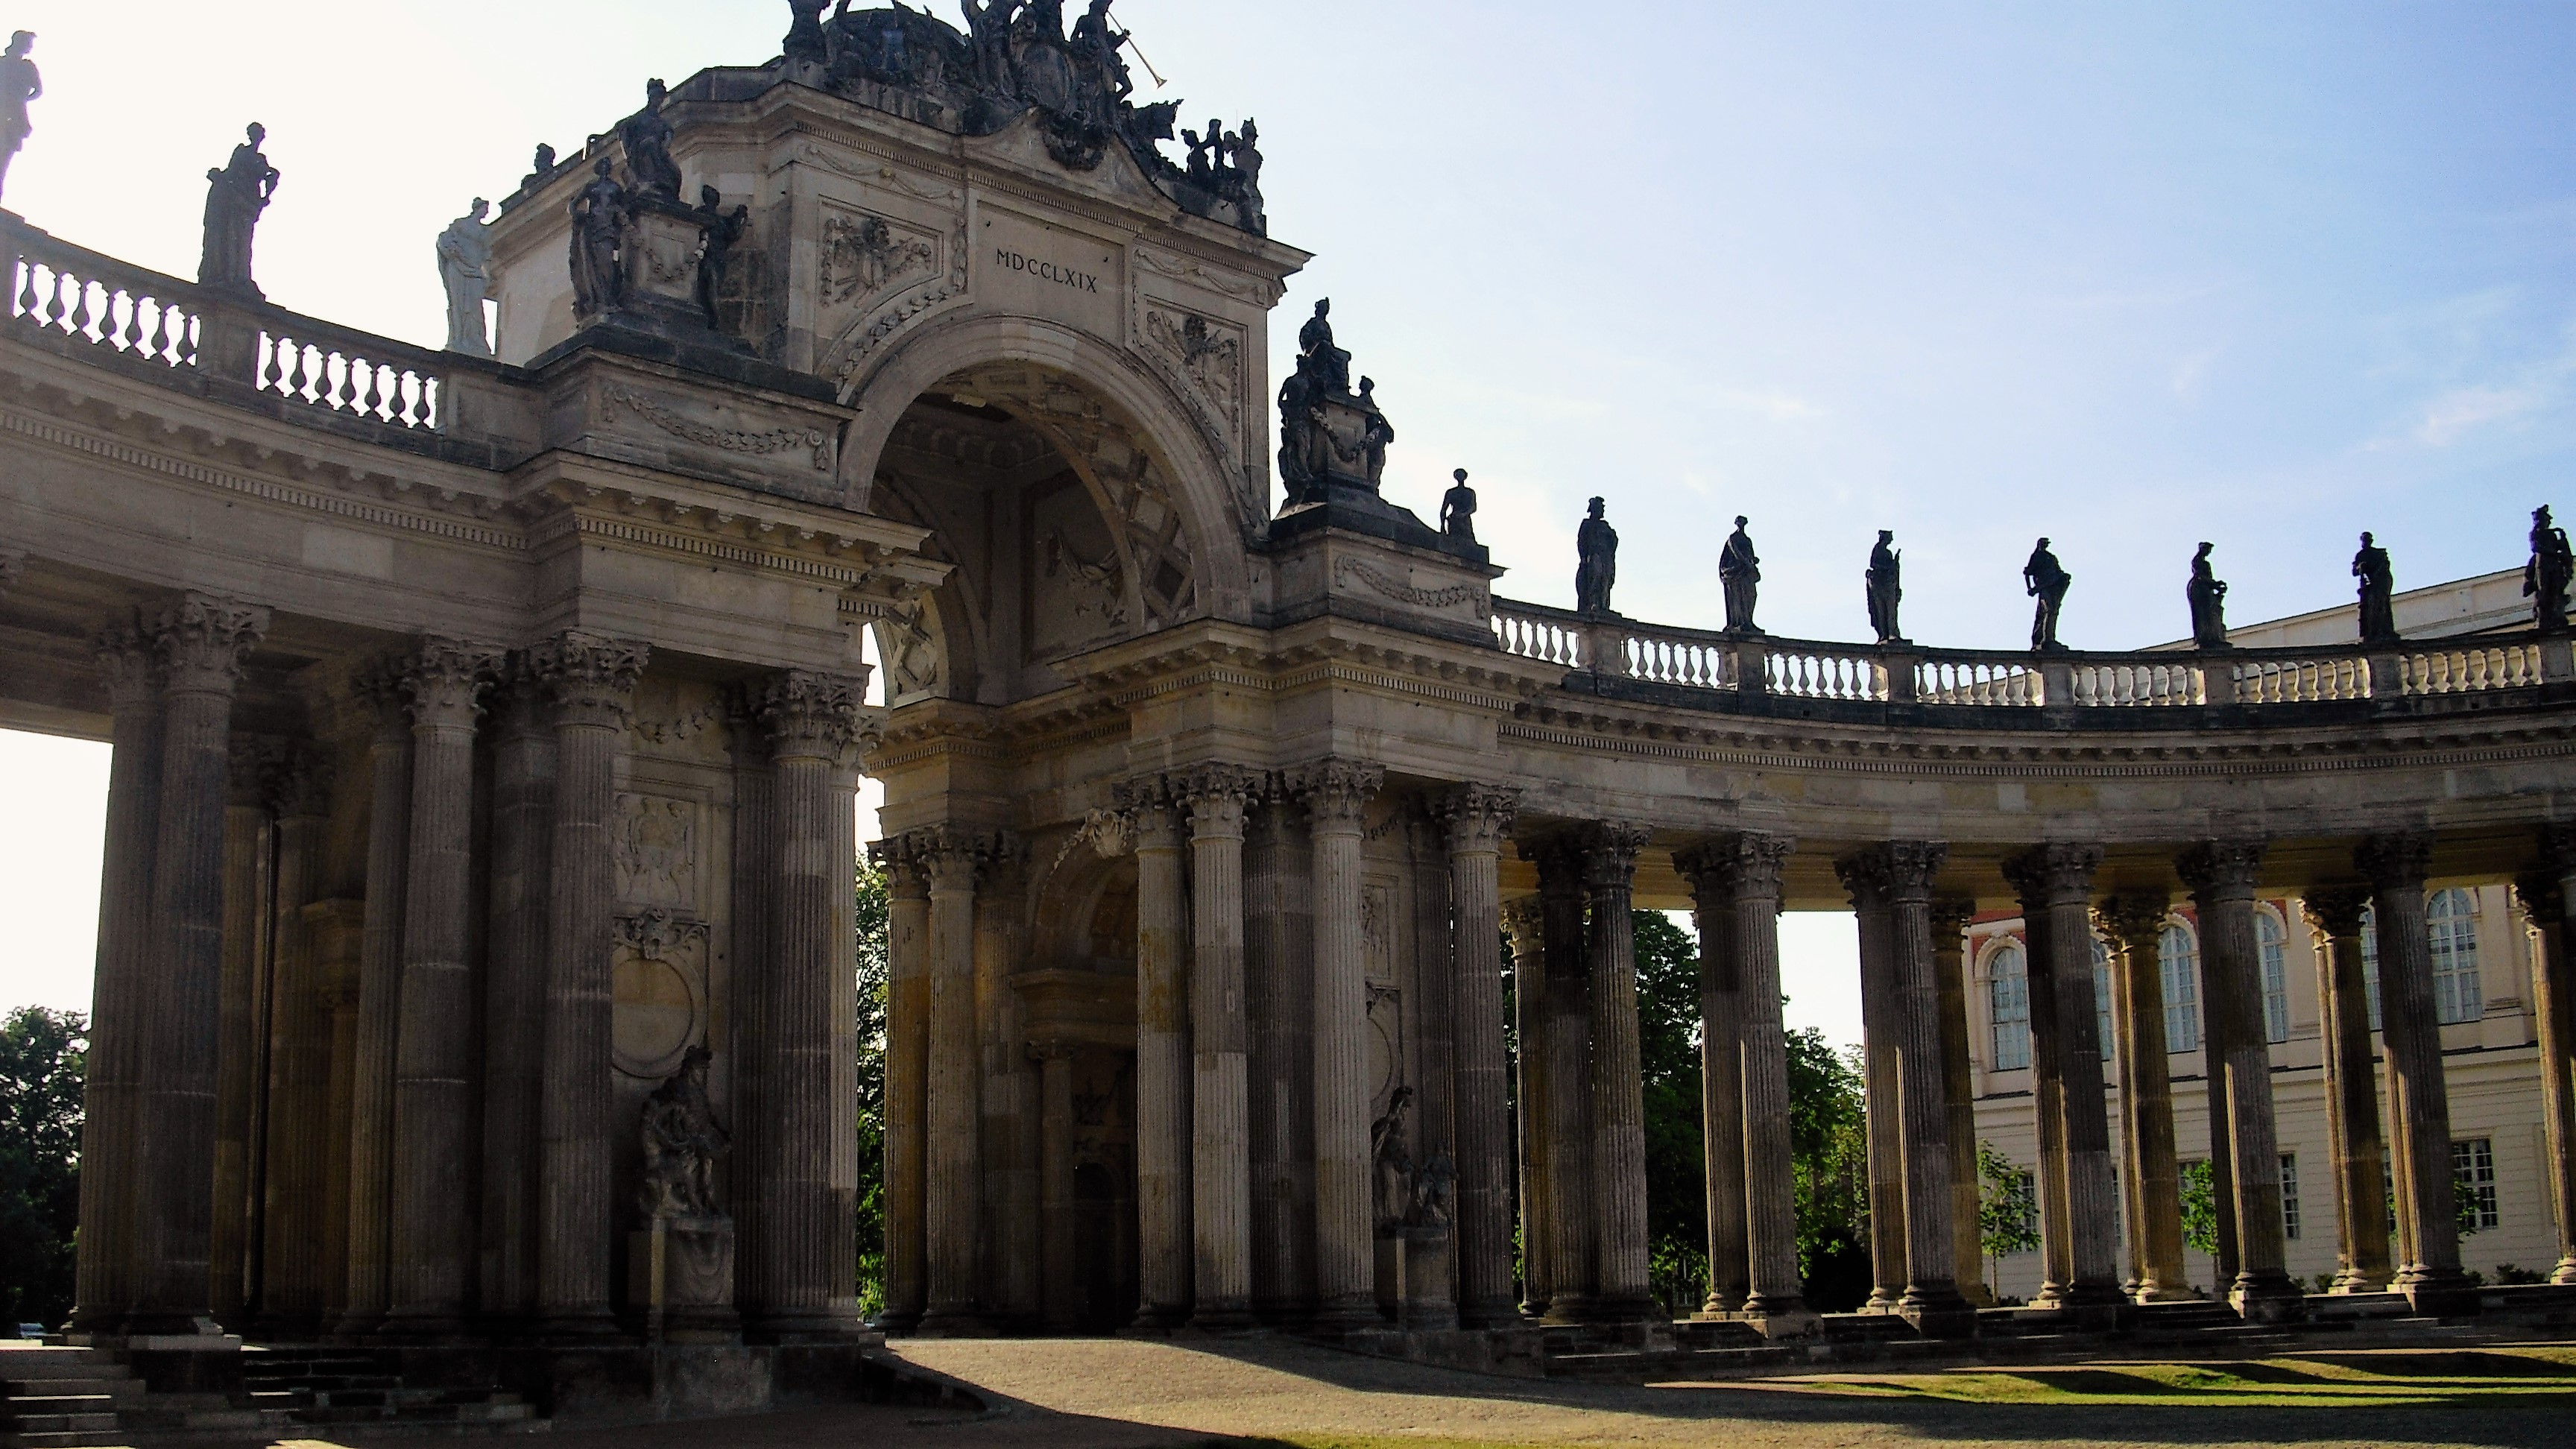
{"x": 682, "y": 1145}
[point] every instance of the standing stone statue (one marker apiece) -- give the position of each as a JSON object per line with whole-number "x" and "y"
{"x": 19, "y": 84}
{"x": 1435, "y": 1197}
{"x": 1247, "y": 180}
{"x": 1596, "y": 547}
{"x": 725, "y": 231}
{"x": 465, "y": 266}
{"x": 598, "y": 220}
{"x": 2207, "y": 594}
{"x": 1739, "y": 573}
{"x": 1328, "y": 366}
{"x": 235, "y": 197}
{"x": 1458, "y": 510}
{"x": 805, "y": 37}
{"x": 544, "y": 166}
{"x": 2552, "y": 569}
{"x": 682, "y": 1144}
{"x": 1378, "y": 433}
{"x": 2378, "y": 593}
{"x": 646, "y": 138}
{"x": 2046, "y": 580}
{"x": 1393, "y": 1161}
{"x": 1885, "y": 586}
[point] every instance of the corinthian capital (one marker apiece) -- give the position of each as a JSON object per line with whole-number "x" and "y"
{"x": 202, "y": 641}
{"x": 1610, "y": 853}
{"x": 955, "y": 857}
{"x": 2222, "y": 869}
{"x": 443, "y": 680}
{"x": 588, "y": 678}
{"x": 894, "y": 860}
{"x": 1477, "y": 816}
{"x": 810, "y": 715}
{"x": 2336, "y": 910}
{"x": 2395, "y": 862}
{"x": 1218, "y": 794}
{"x": 132, "y": 669}
{"x": 2060, "y": 872}
{"x": 2135, "y": 919}
{"x": 2542, "y": 898}
{"x": 1336, "y": 793}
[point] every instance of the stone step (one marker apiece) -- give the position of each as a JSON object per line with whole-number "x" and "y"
{"x": 69, "y": 1387}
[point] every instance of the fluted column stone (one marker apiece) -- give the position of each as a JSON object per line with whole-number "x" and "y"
{"x": 2419, "y": 1097}
{"x": 2353, "y": 1136}
{"x": 1958, "y": 1085}
{"x": 1571, "y": 1188}
{"x": 1279, "y": 988}
{"x": 1776, "y": 1304}
{"x": 514, "y": 993}
{"x": 379, "y": 1009}
{"x": 1932, "y": 1301}
{"x": 295, "y": 1279}
{"x": 1618, "y": 1084}
{"x": 1524, "y": 919}
{"x": 954, "y": 859}
{"x": 2223, "y": 876}
{"x": 432, "y": 1243}
{"x": 907, "y": 1085}
{"x": 1721, "y": 1054}
{"x": 201, "y": 643}
{"x": 106, "y": 1274}
{"x": 2151, "y": 1173}
{"x": 1336, "y": 794}
{"x": 1164, "y": 1268}
{"x": 808, "y": 1006}
{"x": 2553, "y": 999}
{"x": 1058, "y": 1270}
{"x": 2058, "y": 879}
{"x": 1220, "y": 1048}
{"x": 1478, "y": 817}
{"x": 1864, "y": 878}
{"x": 242, "y": 1040}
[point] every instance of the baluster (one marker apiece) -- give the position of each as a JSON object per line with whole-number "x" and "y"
{"x": 416, "y": 408}
{"x": 129, "y": 333}
{"x": 272, "y": 366}
{"x": 55, "y": 305}
{"x": 26, "y": 303}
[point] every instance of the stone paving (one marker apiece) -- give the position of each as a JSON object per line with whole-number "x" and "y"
{"x": 1108, "y": 1394}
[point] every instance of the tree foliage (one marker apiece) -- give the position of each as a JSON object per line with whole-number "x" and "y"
{"x": 869, "y": 951}
{"x": 2007, "y": 1204}
{"x": 1668, "y": 1038}
{"x": 1829, "y": 1146}
{"x": 43, "y": 1054}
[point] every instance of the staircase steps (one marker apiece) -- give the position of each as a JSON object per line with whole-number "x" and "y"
{"x": 66, "y": 1398}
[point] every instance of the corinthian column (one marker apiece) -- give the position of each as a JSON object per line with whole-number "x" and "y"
{"x": 1530, "y": 1018}
{"x": 1776, "y": 1303}
{"x": 807, "y": 999}
{"x": 432, "y": 1280}
{"x": 107, "y": 1275}
{"x": 242, "y": 1053}
{"x": 1618, "y": 1081}
{"x": 1162, "y": 1059}
{"x": 590, "y": 684}
{"x": 1864, "y": 876}
{"x": 379, "y": 988}
{"x": 1721, "y": 1051}
{"x": 2418, "y": 1097}
{"x": 2222, "y": 876}
{"x": 1279, "y": 985}
{"x": 2151, "y": 1179}
{"x": 514, "y": 993}
{"x": 907, "y": 1085}
{"x": 1568, "y": 1190}
{"x": 1477, "y": 818}
{"x": 2352, "y": 1092}
{"x": 1958, "y": 1085}
{"x": 1220, "y": 1096}
{"x": 2058, "y": 879}
{"x": 954, "y": 860}
{"x": 2554, "y": 1003}
{"x": 1932, "y": 1302}
{"x": 295, "y": 1279}
{"x": 1336, "y": 794}
{"x": 201, "y": 643}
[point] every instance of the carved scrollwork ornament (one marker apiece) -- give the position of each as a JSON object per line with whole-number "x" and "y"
{"x": 443, "y": 680}
{"x": 1610, "y": 852}
{"x": 1110, "y": 833}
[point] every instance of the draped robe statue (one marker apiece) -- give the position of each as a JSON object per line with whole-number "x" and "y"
{"x": 235, "y": 197}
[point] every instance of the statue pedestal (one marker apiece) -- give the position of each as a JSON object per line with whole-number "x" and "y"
{"x": 1413, "y": 1278}
{"x": 679, "y": 1279}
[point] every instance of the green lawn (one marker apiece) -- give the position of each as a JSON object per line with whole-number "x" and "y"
{"x": 2341, "y": 1380}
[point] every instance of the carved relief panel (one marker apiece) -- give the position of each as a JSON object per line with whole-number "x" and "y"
{"x": 660, "y": 993}
{"x": 655, "y": 838}
{"x": 1074, "y": 592}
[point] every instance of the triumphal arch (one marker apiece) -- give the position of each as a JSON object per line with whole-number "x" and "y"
{"x": 475, "y": 968}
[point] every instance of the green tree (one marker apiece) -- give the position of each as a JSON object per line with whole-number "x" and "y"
{"x": 2007, "y": 1205}
{"x": 1829, "y": 1146}
{"x": 870, "y": 955}
{"x": 43, "y": 1054}
{"x": 2199, "y": 1208}
{"x": 1668, "y": 1040}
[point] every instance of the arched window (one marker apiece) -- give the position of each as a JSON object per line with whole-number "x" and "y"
{"x": 2102, "y": 994}
{"x": 2008, "y": 992}
{"x": 2451, "y": 921}
{"x": 2179, "y": 957}
{"x": 2276, "y": 984}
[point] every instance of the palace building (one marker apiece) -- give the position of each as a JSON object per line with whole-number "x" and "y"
{"x": 475, "y": 990}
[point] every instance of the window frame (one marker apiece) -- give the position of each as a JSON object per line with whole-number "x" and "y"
{"x": 1996, "y": 1021}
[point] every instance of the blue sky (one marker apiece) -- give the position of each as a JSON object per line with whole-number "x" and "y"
{"x": 2130, "y": 276}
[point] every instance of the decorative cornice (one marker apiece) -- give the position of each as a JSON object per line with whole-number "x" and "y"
{"x": 729, "y": 440}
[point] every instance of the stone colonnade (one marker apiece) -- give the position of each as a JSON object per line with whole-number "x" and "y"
{"x": 391, "y": 1117}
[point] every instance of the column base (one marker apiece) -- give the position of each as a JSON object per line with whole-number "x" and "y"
{"x": 2440, "y": 1294}
{"x": 422, "y": 1328}
{"x": 898, "y": 1323}
{"x": 1156, "y": 1320}
{"x": 1482, "y": 1316}
{"x": 1223, "y": 1319}
{"x": 1782, "y": 1316}
{"x": 2093, "y": 1308}
{"x": 586, "y": 1327}
{"x": 2269, "y": 1298}
{"x": 1938, "y": 1312}
{"x": 2158, "y": 1290}
{"x": 952, "y": 1323}
{"x": 2566, "y": 1270}
{"x": 1724, "y": 1303}
{"x": 1567, "y": 1310}
{"x": 1347, "y": 1315}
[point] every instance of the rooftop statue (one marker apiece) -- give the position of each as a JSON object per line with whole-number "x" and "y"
{"x": 19, "y": 84}
{"x": 682, "y": 1145}
{"x": 1328, "y": 436}
{"x": 2552, "y": 569}
{"x": 1458, "y": 510}
{"x": 1375, "y": 433}
{"x": 1596, "y": 548}
{"x": 465, "y": 268}
{"x": 646, "y": 138}
{"x": 2046, "y": 580}
{"x": 1885, "y": 588}
{"x": 598, "y": 221}
{"x": 1739, "y": 573}
{"x": 805, "y": 38}
{"x": 541, "y": 167}
{"x": 2378, "y": 593}
{"x": 235, "y": 197}
{"x": 2207, "y": 594}
{"x": 725, "y": 231}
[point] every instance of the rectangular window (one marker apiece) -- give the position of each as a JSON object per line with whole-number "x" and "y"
{"x": 2008, "y": 993}
{"x": 2290, "y": 1196}
{"x": 2179, "y": 959}
{"x": 2102, "y": 996}
{"x": 2370, "y": 962}
{"x": 2276, "y": 984}
{"x": 2473, "y": 1168}
{"x": 2451, "y": 925}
